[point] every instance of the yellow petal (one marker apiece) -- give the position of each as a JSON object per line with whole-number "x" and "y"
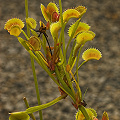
{"x": 81, "y": 27}
{"x": 44, "y": 12}
{"x": 47, "y": 12}
{"x": 12, "y": 22}
{"x": 81, "y": 39}
{"x": 34, "y": 43}
{"x": 91, "y": 53}
{"x": 81, "y": 9}
{"x": 70, "y": 13}
{"x": 15, "y": 30}
{"x": 52, "y": 8}
{"x": 54, "y": 28}
{"x": 84, "y": 37}
{"x": 31, "y": 22}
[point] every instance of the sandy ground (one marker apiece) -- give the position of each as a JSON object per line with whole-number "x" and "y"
{"x": 100, "y": 77}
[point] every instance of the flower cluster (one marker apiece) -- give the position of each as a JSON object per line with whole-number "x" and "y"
{"x": 54, "y": 58}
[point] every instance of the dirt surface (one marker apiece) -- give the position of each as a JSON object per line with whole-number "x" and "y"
{"x": 102, "y": 78}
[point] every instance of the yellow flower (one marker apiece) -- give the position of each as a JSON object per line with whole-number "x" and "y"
{"x": 50, "y": 13}
{"x": 54, "y": 28}
{"x": 70, "y": 13}
{"x": 34, "y": 43}
{"x": 91, "y": 53}
{"x": 73, "y": 13}
{"x": 14, "y": 26}
{"x": 81, "y": 39}
{"x": 31, "y": 22}
{"x": 81, "y": 27}
{"x": 85, "y": 36}
{"x": 81, "y": 9}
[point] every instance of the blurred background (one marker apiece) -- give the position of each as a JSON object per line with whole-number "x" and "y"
{"x": 100, "y": 78}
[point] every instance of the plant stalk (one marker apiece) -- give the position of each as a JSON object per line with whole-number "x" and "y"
{"x": 84, "y": 112}
{"x": 32, "y": 63}
{"x": 43, "y": 106}
{"x": 27, "y": 106}
{"x": 36, "y": 86}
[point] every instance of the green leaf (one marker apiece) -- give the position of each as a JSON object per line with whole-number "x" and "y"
{"x": 43, "y": 106}
{"x": 23, "y": 42}
{"x": 19, "y": 116}
{"x": 80, "y": 28}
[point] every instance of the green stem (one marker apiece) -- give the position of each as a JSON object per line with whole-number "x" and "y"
{"x": 60, "y": 5}
{"x": 78, "y": 62}
{"x": 70, "y": 62}
{"x": 27, "y": 106}
{"x": 26, "y": 11}
{"x": 71, "y": 37}
{"x": 25, "y": 35}
{"x": 65, "y": 86}
{"x": 84, "y": 112}
{"x": 79, "y": 67}
{"x": 36, "y": 86}
{"x": 47, "y": 70}
{"x": 62, "y": 39}
{"x": 32, "y": 63}
{"x": 43, "y": 106}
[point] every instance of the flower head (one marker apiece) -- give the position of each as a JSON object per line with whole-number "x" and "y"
{"x": 50, "y": 13}
{"x": 82, "y": 38}
{"x": 54, "y": 28}
{"x": 91, "y": 53}
{"x": 73, "y": 13}
{"x": 31, "y": 22}
{"x": 34, "y": 43}
{"x": 81, "y": 27}
{"x": 70, "y": 13}
{"x": 85, "y": 36}
{"x": 14, "y": 26}
{"x": 81, "y": 9}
